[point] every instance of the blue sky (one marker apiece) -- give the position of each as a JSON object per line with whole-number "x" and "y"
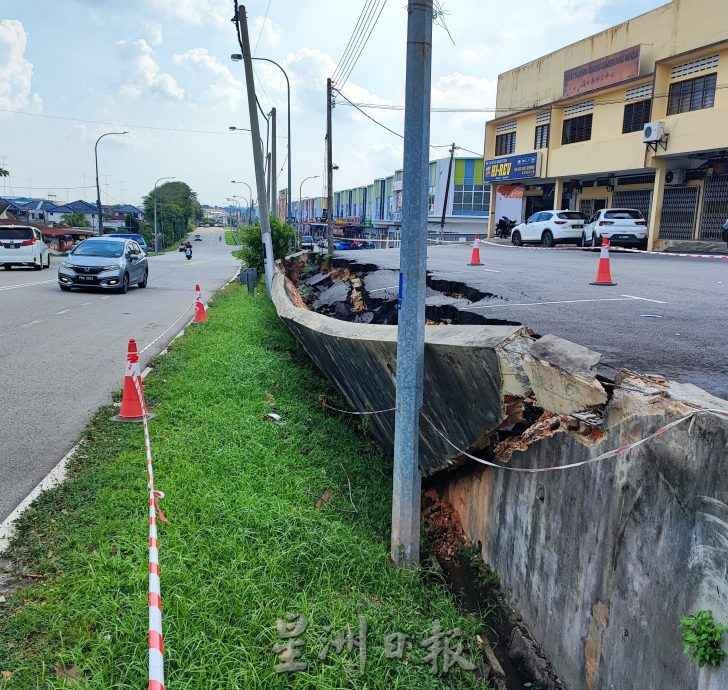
{"x": 153, "y": 66}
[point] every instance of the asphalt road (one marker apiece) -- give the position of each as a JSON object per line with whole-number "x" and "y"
{"x": 666, "y": 315}
{"x": 63, "y": 353}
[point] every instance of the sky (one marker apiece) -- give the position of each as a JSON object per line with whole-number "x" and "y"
{"x": 71, "y": 70}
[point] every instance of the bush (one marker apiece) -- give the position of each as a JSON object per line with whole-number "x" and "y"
{"x": 283, "y": 236}
{"x": 701, "y": 638}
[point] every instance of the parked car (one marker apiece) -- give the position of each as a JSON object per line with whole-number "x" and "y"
{"x": 550, "y": 228}
{"x": 622, "y": 226}
{"x": 23, "y": 245}
{"x": 139, "y": 239}
{"x": 104, "y": 262}
{"x": 342, "y": 246}
{"x": 307, "y": 242}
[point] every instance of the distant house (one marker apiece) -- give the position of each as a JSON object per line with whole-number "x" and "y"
{"x": 55, "y": 215}
{"x": 63, "y": 239}
{"x": 128, "y": 209}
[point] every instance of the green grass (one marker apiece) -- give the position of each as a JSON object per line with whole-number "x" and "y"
{"x": 232, "y": 237}
{"x": 246, "y": 543}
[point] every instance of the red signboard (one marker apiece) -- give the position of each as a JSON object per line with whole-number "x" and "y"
{"x": 605, "y": 71}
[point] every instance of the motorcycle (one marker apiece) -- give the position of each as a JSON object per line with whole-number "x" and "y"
{"x": 188, "y": 253}
{"x": 504, "y": 227}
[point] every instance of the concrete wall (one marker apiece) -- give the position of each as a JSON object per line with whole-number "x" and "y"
{"x": 603, "y": 560}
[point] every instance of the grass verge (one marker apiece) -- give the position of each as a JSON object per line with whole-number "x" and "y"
{"x": 267, "y": 519}
{"x": 232, "y": 237}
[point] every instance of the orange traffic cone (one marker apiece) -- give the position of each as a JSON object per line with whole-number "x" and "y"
{"x": 200, "y": 313}
{"x": 604, "y": 275}
{"x": 475, "y": 254}
{"x": 131, "y": 405}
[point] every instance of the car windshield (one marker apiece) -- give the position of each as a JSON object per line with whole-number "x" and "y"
{"x": 623, "y": 213}
{"x": 16, "y": 234}
{"x": 108, "y": 249}
{"x": 571, "y": 215}
{"x": 307, "y": 238}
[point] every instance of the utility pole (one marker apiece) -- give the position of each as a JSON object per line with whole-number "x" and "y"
{"x": 329, "y": 174}
{"x": 447, "y": 192}
{"x": 405, "y": 543}
{"x": 274, "y": 176}
{"x": 257, "y": 151}
{"x": 269, "y": 198}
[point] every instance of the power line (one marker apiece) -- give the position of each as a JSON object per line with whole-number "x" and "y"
{"x": 397, "y": 134}
{"x": 344, "y": 55}
{"x": 357, "y": 39}
{"x": 381, "y": 9}
{"x": 260, "y": 33}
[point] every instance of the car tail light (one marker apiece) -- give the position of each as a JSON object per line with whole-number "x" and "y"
{"x": 560, "y": 222}
{"x": 606, "y": 222}
{"x": 640, "y": 222}
{"x": 28, "y": 243}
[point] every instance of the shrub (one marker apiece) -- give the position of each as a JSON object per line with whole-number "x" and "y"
{"x": 283, "y": 236}
{"x": 701, "y": 635}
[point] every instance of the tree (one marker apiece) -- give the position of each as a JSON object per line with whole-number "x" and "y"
{"x": 177, "y": 210}
{"x": 283, "y": 236}
{"x": 76, "y": 219}
{"x": 131, "y": 223}
{"x": 4, "y": 172}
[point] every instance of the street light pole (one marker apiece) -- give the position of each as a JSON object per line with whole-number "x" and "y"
{"x": 236, "y": 57}
{"x": 98, "y": 190}
{"x": 156, "y": 235}
{"x": 250, "y": 202}
{"x": 300, "y": 206}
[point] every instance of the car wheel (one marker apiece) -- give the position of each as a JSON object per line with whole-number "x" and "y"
{"x": 547, "y": 238}
{"x": 642, "y": 245}
{"x": 516, "y": 239}
{"x": 7, "y": 267}
{"x": 39, "y": 265}
{"x": 594, "y": 241}
{"x": 143, "y": 283}
{"x": 65, "y": 288}
{"x": 580, "y": 241}
{"x": 48, "y": 264}
{"x": 124, "y": 284}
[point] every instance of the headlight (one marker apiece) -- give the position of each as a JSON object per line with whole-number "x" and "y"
{"x": 114, "y": 266}
{"x": 66, "y": 263}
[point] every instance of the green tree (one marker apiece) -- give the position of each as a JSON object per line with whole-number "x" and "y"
{"x": 4, "y": 172}
{"x": 131, "y": 223}
{"x": 283, "y": 236}
{"x": 177, "y": 210}
{"x": 76, "y": 219}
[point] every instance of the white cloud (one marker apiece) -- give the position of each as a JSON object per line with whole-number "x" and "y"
{"x": 224, "y": 88}
{"x": 458, "y": 90}
{"x": 16, "y": 71}
{"x": 194, "y": 12}
{"x": 146, "y": 75}
{"x": 269, "y": 32}
{"x": 155, "y": 34}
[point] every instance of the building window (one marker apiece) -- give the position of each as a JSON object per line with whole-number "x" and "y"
{"x": 636, "y": 116}
{"x": 542, "y": 137}
{"x": 469, "y": 198}
{"x": 431, "y": 200}
{"x": 505, "y": 144}
{"x": 692, "y": 94}
{"x": 577, "y": 129}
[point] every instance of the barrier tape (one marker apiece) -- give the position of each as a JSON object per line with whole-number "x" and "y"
{"x": 156, "y": 640}
{"x": 166, "y": 330}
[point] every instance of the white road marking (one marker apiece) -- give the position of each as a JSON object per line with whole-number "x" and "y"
{"x": 63, "y": 311}
{"x": 22, "y": 285}
{"x": 34, "y": 322}
{"x": 538, "y": 304}
{"x": 477, "y": 269}
{"x": 645, "y": 299}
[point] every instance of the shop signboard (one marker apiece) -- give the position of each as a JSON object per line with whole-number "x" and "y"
{"x": 521, "y": 167}
{"x": 605, "y": 71}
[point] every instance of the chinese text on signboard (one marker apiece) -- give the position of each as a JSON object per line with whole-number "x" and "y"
{"x": 521, "y": 167}
{"x": 605, "y": 71}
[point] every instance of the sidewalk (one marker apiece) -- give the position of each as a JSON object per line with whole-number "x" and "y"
{"x": 268, "y": 519}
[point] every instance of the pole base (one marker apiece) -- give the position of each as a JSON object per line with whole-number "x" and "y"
{"x": 130, "y": 420}
{"x": 602, "y": 283}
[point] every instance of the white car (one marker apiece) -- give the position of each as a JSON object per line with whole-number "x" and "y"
{"x": 23, "y": 245}
{"x": 550, "y": 228}
{"x": 625, "y": 226}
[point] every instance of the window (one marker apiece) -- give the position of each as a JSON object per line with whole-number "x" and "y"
{"x": 542, "y": 137}
{"x": 470, "y": 198}
{"x": 571, "y": 215}
{"x": 636, "y": 116}
{"x": 505, "y": 143}
{"x": 691, "y": 94}
{"x": 577, "y": 129}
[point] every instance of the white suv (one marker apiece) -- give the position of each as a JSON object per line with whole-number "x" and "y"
{"x": 550, "y": 228}
{"x": 625, "y": 226}
{"x": 23, "y": 245}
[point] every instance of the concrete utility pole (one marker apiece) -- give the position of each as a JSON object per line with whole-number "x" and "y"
{"x": 273, "y": 162}
{"x": 269, "y": 198}
{"x": 329, "y": 173}
{"x": 447, "y": 192}
{"x": 257, "y": 152}
{"x": 405, "y": 545}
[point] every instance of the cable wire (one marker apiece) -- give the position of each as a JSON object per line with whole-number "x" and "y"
{"x": 351, "y": 38}
{"x": 348, "y": 74}
{"x": 357, "y": 39}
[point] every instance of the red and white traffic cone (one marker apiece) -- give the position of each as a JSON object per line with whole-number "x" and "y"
{"x": 475, "y": 254}
{"x": 604, "y": 275}
{"x": 131, "y": 405}
{"x": 200, "y": 313}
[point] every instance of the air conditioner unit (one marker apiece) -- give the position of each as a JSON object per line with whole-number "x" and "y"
{"x": 653, "y": 131}
{"x": 676, "y": 176}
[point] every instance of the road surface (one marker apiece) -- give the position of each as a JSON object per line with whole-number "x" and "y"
{"x": 63, "y": 353}
{"x": 666, "y": 315}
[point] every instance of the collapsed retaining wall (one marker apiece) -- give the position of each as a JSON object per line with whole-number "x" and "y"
{"x": 601, "y": 560}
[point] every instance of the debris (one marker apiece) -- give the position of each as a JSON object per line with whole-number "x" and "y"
{"x": 67, "y": 672}
{"x": 275, "y": 417}
{"x": 325, "y": 498}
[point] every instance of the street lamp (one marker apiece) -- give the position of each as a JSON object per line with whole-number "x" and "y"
{"x": 300, "y": 187}
{"x": 98, "y": 191}
{"x": 236, "y": 57}
{"x": 156, "y": 236}
{"x": 236, "y": 196}
{"x": 250, "y": 204}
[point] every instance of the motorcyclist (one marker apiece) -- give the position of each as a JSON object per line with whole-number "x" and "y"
{"x": 220, "y": 238}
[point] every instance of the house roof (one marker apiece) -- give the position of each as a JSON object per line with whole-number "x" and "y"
{"x": 128, "y": 208}
{"x": 78, "y": 206}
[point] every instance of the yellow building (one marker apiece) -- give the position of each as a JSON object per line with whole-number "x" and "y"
{"x": 635, "y": 116}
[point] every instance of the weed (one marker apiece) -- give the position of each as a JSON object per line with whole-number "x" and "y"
{"x": 701, "y": 638}
{"x": 485, "y": 575}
